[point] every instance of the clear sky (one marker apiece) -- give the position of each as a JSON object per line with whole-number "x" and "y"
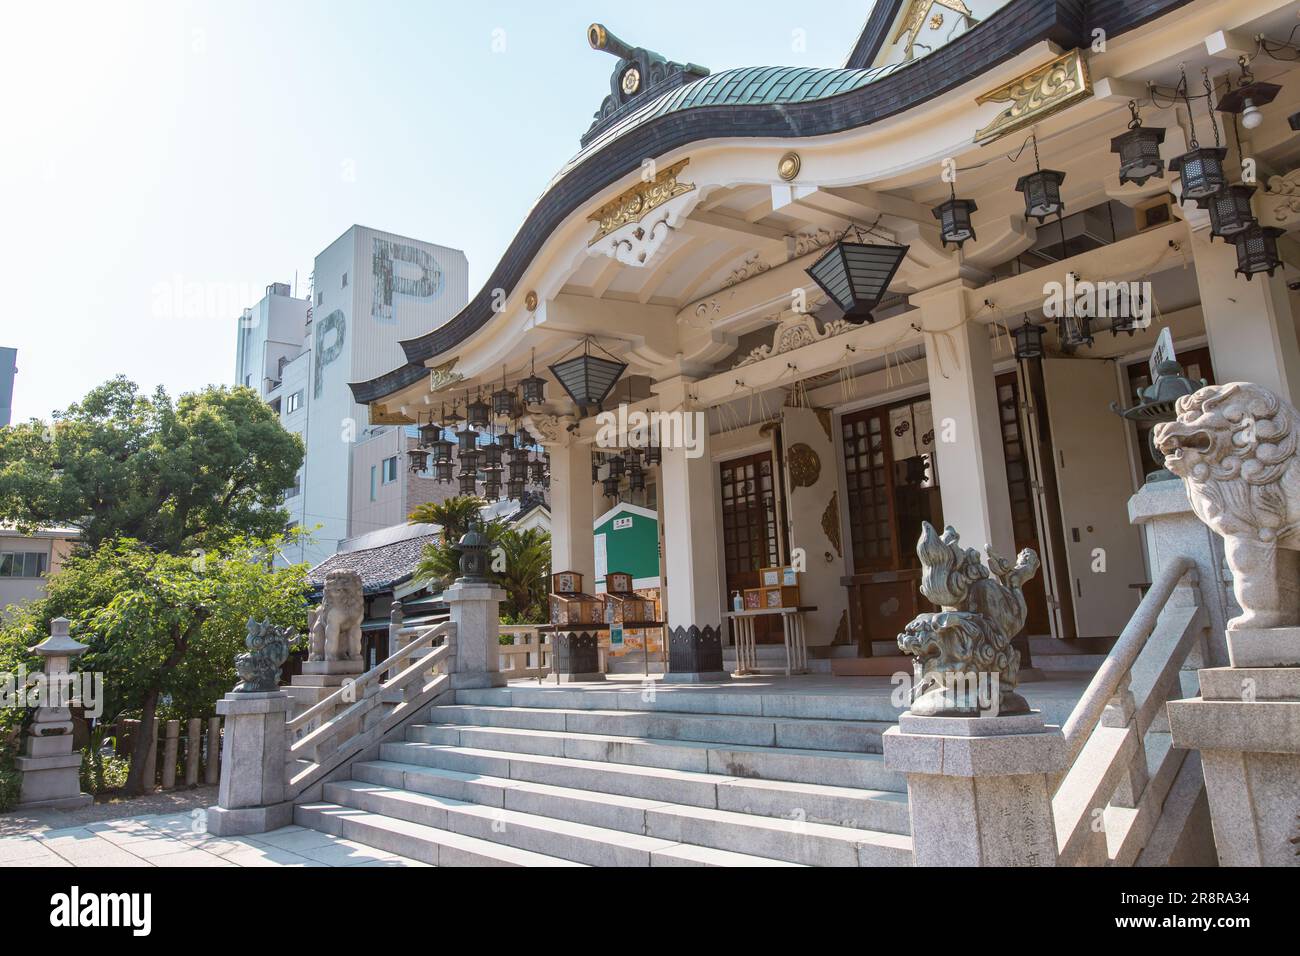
{"x": 152, "y": 151}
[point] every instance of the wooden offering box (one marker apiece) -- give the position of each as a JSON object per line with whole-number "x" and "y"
{"x": 783, "y": 596}
{"x": 569, "y": 605}
{"x": 779, "y": 576}
{"x": 753, "y": 599}
{"x": 622, "y": 604}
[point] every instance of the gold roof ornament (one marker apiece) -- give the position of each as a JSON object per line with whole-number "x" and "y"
{"x": 443, "y": 377}
{"x": 788, "y": 166}
{"x": 639, "y": 201}
{"x": 915, "y": 18}
{"x": 1035, "y": 95}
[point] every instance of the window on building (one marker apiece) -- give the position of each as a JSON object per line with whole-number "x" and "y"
{"x": 345, "y": 281}
{"x": 373, "y": 471}
{"x": 390, "y": 469}
{"x": 22, "y": 564}
{"x": 293, "y": 402}
{"x": 296, "y": 488}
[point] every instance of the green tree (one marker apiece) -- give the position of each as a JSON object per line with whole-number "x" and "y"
{"x": 452, "y": 516}
{"x": 519, "y": 564}
{"x": 162, "y": 629}
{"x": 176, "y": 477}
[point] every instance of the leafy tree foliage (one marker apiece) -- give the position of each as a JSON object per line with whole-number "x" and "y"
{"x": 176, "y": 477}
{"x": 163, "y": 629}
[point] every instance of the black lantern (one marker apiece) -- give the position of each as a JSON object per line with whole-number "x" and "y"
{"x": 470, "y": 460}
{"x": 954, "y": 218}
{"x": 1248, "y": 97}
{"x": 466, "y": 439}
{"x": 449, "y": 418}
{"x": 1074, "y": 331}
{"x": 473, "y": 547}
{"x": 1257, "y": 250}
{"x": 503, "y": 402}
{"x": 610, "y": 485}
{"x": 492, "y": 490}
{"x": 441, "y": 450}
{"x": 1200, "y": 168}
{"x": 588, "y": 378}
{"x": 518, "y": 470}
{"x": 442, "y": 471}
{"x": 636, "y": 480}
{"x": 430, "y": 433}
{"x": 419, "y": 460}
{"x": 537, "y": 469}
{"x": 1029, "y": 341}
{"x": 478, "y": 414}
{"x": 467, "y": 481}
{"x": 1230, "y": 211}
{"x": 1139, "y": 150}
{"x": 653, "y": 454}
{"x": 1042, "y": 190}
{"x": 507, "y": 440}
{"x": 617, "y": 466}
{"x": 856, "y": 275}
{"x": 491, "y": 455}
{"x": 514, "y": 489}
{"x": 532, "y": 387}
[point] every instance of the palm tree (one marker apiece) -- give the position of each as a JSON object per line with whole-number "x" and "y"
{"x": 519, "y": 564}
{"x": 452, "y": 515}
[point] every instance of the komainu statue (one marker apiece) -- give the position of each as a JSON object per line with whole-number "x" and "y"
{"x": 1234, "y": 446}
{"x": 965, "y": 663}
{"x": 259, "y": 667}
{"x": 336, "y": 628}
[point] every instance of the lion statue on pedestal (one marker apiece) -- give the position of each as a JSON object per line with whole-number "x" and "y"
{"x": 336, "y": 627}
{"x": 1234, "y": 446}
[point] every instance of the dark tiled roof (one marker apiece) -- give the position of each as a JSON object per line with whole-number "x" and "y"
{"x": 381, "y": 569}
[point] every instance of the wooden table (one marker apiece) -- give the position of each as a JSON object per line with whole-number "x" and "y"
{"x": 792, "y": 626}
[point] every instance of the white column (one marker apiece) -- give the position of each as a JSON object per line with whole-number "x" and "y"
{"x": 691, "y": 530}
{"x": 968, "y": 427}
{"x": 1249, "y": 323}
{"x": 572, "y": 545}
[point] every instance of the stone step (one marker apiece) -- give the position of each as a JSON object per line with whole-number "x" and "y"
{"x": 415, "y": 840}
{"x": 804, "y": 733}
{"x": 665, "y": 827}
{"x": 659, "y": 698}
{"x": 832, "y": 767}
{"x": 612, "y": 797}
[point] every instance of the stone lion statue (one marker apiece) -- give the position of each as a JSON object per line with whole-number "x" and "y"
{"x": 966, "y": 665}
{"x": 336, "y": 627}
{"x": 259, "y": 667}
{"x": 1234, "y": 446}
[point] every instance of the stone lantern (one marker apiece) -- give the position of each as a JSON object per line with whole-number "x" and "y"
{"x": 51, "y": 770}
{"x": 473, "y": 547}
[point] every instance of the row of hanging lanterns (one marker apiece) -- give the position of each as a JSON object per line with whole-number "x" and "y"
{"x": 630, "y": 463}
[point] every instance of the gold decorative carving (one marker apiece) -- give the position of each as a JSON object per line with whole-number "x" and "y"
{"x": 831, "y": 522}
{"x": 794, "y": 332}
{"x": 788, "y": 166}
{"x": 443, "y": 376}
{"x": 638, "y": 202}
{"x": 805, "y": 466}
{"x": 915, "y": 17}
{"x": 530, "y": 301}
{"x": 1036, "y": 95}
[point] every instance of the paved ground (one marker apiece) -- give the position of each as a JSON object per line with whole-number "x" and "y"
{"x": 171, "y": 840}
{"x": 161, "y": 802}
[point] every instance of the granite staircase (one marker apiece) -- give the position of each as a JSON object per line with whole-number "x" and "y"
{"x": 532, "y": 776}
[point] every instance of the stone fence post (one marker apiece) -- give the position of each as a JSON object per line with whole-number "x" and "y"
{"x": 254, "y": 754}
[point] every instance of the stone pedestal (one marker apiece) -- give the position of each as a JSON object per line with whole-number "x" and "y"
{"x": 475, "y": 610}
{"x": 575, "y": 656}
{"x": 979, "y": 788}
{"x": 318, "y": 680}
{"x": 1164, "y": 513}
{"x": 1246, "y": 724}
{"x": 51, "y": 770}
{"x": 253, "y": 790}
{"x": 695, "y": 656}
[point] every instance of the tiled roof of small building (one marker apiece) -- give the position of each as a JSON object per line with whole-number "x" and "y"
{"x": 380, "y": 568}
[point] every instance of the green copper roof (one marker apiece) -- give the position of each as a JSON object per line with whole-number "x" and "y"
{"x": 745, "y": 86}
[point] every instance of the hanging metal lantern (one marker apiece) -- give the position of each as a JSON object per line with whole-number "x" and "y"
{"x": 514, "y": 489}
{"x": 1230, "y": 211}
{"x": 442, "y": 471}
{"x": 478, "y": 414}
{"x": 449, "y": 419}
{"x": 503, "y": 402}
{"x": 468, "y": 482}
{"x": 954, "y": 219}
{"x": 636, "y": 480}
{"x": 537, "y": 470}
{"x": 1029, "y": 341}
{"x": 470, "y": 460}
{"x": 856, "y": 275}
{"x": 617, "y": 466}
{"x": 533, "y": 388}
{"x": 506, "y": 440}
{"x": 419, "y": 460}
{"x": 430, "y": 433}
{"x": 1201, "y": 170}
{"x": 653, "y": 454}
{"x": 518, "y": 470}
{"x": 610, "y": 485}
{"x": 1257, "y": 250}
{"x": 466, "y": 440}
{"x": 441, "y": 450}
{"x": 1074, "y": 331}
{"x": 491, "y": 455}
{"x": 492, "y": 490}
{"x": 588, "y": 378}
{"x": 1139, "y": 150}
{"x": 1042, "y": 191}
{"x": 1248, "y": 97}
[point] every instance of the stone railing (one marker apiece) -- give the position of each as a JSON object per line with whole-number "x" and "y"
{"x": 1121, "y": 764}
{"x": 528, "y": 654}
{"x": 360, "y": 712}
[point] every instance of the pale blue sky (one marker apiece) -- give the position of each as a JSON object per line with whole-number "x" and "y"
{"x": 151, "y": 149}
